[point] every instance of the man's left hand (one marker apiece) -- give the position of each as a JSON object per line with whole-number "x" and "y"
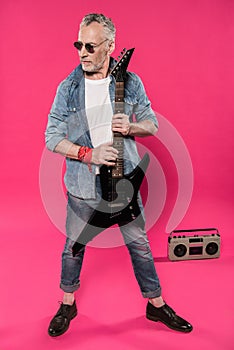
{"x": 120, "y": 123}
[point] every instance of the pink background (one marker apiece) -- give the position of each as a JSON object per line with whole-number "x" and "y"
{"x": 184, "y": 55}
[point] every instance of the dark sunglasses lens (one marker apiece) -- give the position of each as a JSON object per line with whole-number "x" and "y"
{"x": 89, "y": 48}
{"x": 78, "y": 45}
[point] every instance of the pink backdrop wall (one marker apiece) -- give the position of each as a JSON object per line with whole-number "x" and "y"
{"x": 184, "y": 54}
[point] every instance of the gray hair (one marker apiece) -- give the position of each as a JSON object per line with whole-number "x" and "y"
{"x": 106, "y": 22}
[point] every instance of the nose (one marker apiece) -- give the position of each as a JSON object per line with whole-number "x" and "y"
{"x": 83, "y": 52}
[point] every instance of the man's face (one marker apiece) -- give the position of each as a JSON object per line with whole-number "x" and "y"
{"x": 97, "y": 61}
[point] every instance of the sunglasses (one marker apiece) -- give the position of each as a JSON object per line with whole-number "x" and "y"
{"x": 88, "y": 47}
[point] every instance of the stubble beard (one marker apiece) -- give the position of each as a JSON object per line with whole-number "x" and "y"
{"x": 95, "y": 68}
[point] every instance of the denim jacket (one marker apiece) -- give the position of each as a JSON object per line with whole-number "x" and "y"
{"x": 67, "y": 119}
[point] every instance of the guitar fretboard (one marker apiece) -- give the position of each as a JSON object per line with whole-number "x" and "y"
{"x": 118, "y": 140}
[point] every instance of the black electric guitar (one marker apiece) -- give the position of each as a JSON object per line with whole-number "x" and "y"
{"x": 119, "y": 192}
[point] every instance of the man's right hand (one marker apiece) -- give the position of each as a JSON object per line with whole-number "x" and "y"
{"x": 104, "y": 154}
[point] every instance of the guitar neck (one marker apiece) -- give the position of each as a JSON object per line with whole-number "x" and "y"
{"x": 119, "y": 73}
{"x": 118, "y": 140}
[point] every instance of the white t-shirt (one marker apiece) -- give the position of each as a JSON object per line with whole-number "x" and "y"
{"x": 98, "y": 110}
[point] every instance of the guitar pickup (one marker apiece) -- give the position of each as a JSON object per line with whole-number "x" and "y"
{"x": 115, "y": 205}
{"x": 117, "y": 175}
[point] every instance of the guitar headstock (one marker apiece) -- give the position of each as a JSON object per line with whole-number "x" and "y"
{"x": 119, "y": 70}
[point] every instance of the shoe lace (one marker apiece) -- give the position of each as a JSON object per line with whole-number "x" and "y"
{"x": 64, "y": 309}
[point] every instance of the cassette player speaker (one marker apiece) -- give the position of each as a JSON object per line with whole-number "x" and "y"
{"x": 205, "y": 245}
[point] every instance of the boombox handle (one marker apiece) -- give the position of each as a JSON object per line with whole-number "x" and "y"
{"x": 195, "y": 230}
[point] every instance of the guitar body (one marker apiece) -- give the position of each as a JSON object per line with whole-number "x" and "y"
{"x": 121, "y": 209}
{"x": 119, "y": 196}
{"x": 119, "y": 203}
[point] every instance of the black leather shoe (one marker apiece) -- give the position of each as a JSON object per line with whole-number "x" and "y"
{"x": 61, "y": 321}
{"x": 166, "y": 315}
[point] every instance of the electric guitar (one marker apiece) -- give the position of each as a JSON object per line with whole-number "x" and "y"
{"x": 119, "y": 192}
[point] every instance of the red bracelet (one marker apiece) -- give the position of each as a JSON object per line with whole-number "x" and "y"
{"x": 85, "y": 155}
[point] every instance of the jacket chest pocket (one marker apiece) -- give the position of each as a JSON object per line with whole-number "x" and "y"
{"x": 75, "y": 129}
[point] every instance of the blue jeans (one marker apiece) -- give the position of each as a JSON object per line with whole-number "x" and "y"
{"x": 135, "y": 238}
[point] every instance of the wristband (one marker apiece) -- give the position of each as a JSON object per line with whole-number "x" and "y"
{"x": 85, "y": 155}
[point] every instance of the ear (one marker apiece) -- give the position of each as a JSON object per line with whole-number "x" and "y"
{"x": 111, "y": 48}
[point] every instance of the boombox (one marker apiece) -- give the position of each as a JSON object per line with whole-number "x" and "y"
{"x": 183, "y": 247}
